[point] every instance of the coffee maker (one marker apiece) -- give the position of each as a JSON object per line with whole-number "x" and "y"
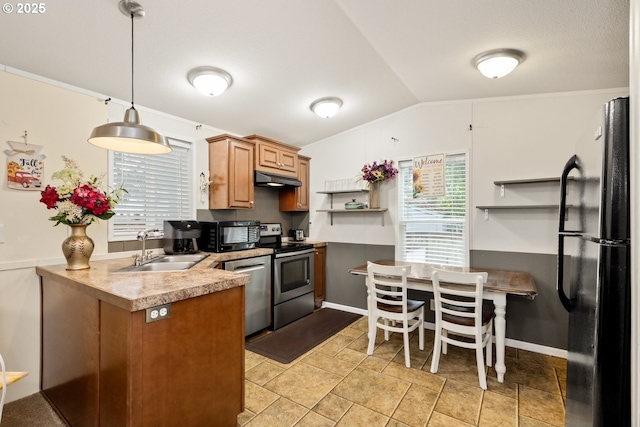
{"x": 180, "y": 237}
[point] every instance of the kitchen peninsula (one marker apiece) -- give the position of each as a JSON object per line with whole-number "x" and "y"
{"x": 107, "y": 362}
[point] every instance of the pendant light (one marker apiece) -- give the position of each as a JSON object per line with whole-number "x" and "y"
{"x": 130, "y": 136}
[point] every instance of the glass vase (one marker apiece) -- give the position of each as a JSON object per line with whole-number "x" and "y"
{"x": 77, "y": 248}
{"x": 374, "y": 195}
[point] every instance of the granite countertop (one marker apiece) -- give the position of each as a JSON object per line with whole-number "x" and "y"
{"x": 135, "y": 291}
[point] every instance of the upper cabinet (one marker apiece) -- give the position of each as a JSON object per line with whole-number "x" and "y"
{"x": 297, "y": 199}
{"x": 231, "y": 167}
{"x": 274, "y": 156}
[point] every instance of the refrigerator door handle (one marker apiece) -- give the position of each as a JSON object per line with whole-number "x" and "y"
{"x": 568, "y": 167}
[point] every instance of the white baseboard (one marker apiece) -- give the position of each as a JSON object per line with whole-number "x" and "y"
{"x": 522, "y": 345}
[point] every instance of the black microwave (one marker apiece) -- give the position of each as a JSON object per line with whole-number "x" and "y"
{"x": 227, "y": 236}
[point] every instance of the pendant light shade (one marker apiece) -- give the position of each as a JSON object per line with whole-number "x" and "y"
{"x": 130, "y": 136}
{"x": 326, "y": 107}
{"x": 498, "y": 63}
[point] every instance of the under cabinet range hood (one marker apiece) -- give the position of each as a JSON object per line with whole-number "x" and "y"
{"x": 265, "y": 179}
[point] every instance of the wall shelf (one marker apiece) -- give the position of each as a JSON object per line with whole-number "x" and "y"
{"x": 521, "y": 207}
{"x": 530, "y": 181}
{"x": 333, "y": 211}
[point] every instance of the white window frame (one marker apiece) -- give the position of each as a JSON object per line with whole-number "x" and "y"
{"x": 157, "y": 222}
{"x": 402, "y": 221}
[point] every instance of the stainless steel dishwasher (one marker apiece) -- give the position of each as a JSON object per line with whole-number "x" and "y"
{"x": 257, "y": 300}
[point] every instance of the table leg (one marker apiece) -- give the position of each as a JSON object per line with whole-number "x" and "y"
{"x": 500, "y": 324}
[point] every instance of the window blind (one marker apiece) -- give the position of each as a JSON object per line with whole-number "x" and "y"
{"x": 435, "y": 229}
{"x": 158, "y": 186}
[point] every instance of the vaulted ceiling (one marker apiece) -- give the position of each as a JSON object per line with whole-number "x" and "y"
{"x": 378, "y": 56}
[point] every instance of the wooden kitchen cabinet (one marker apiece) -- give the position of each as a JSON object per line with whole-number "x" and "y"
{"x": 320, "y": 275}
{"x": 231, "y": 167}
{"x": 297, "y": 199}
{"x": 105, "y": 366}
{"x": 275, "y": 156}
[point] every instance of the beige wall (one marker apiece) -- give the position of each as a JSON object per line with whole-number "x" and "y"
{"x": 60, "y": 119}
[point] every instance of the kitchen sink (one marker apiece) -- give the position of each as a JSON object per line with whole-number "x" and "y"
{"x": 180, "y": 258}
{"x": 166, "y": 263}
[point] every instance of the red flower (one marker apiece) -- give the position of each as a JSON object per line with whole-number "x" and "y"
{"x": 49, "y": 197}
{"x": 91, "y": 199}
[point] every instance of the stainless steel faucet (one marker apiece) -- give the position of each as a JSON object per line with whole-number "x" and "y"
{"x": 144, "y": 256}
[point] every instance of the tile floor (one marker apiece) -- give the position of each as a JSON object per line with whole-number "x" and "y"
{"x": 337, "y": 384}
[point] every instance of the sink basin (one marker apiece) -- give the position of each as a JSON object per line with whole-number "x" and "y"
{"x": 181, "y": 258}
{"x": 166, "y": 263}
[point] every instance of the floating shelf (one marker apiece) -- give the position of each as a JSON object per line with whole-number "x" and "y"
{"x": 358, "y": 190}
{"x": 530, "y": 180}
{"x": 333, "y": 211}
{"x": 521, "y": 207}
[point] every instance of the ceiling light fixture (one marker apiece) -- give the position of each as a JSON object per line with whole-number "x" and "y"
{"x": 210, "y": 81}
{"x": 498, "y": 63}
{"x": 130, "y": 136}
{"x": 326, "y": 107}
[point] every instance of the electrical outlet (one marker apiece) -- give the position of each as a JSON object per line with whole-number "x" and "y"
{"x": 159, "y": 312}
{"x": 1, "y": 233}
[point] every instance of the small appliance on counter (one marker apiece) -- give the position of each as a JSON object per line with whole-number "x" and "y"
{"x": 296, "y": 234}
{"x": 180, "y": 237}
{"x": 227, "y": 236}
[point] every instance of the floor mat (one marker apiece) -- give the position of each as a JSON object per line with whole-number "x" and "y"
{"x": 291, "y": 341}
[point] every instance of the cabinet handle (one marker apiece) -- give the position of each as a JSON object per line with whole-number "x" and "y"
{"x": 251, "y": 202}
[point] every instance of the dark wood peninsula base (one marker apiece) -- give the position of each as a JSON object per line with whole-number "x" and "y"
{"x": 103, "y": 365}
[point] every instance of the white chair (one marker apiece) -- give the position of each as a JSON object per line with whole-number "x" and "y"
{"x": 387, "y": 288}
{"x": 460, "y": 310}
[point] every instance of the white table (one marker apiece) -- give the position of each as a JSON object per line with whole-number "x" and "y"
{"x": 499, "y": 284}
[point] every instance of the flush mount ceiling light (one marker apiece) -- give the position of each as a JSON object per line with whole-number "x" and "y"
{"x": 209, "y": 80}
{"x": 498, "y": 63}
{"x": 130, "y": 136}
{"x": 326, "y": 107}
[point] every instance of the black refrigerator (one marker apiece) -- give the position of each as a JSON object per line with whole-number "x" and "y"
{"x": 595, "y": 234}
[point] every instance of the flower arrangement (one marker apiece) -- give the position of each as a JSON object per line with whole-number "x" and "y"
{"x": 378, "y": 172}
{"x": 78, "y": 201}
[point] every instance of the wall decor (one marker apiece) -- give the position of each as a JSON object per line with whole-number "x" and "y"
{"x": 25, "y": 165}
{"x": 428, "y": 176}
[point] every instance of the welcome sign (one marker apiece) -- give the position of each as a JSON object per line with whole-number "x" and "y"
{"x": 428, "y": 176}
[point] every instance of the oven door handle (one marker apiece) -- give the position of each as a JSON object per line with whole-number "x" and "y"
{"x": 248, "y": 268}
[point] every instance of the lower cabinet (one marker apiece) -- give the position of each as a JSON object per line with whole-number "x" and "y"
{"x": 320, "y": 277}
{"x": 105, "y": 366}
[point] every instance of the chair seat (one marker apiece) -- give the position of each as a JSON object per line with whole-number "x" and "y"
{"x": 487, "y": 315}
{"x": 412, "y": 305}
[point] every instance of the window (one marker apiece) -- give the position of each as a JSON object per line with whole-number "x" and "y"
{"x": 159, "y": 188}
{"x": 434, "y": 229}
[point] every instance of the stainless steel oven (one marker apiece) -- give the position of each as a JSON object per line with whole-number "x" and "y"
{"x": 292, "y": 286}
{"x": 293, "y": 276}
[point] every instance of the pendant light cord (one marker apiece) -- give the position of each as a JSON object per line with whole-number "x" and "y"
{"x": 132, "y": 106}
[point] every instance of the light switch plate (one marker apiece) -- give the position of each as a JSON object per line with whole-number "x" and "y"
{"x": 1, "y": 233}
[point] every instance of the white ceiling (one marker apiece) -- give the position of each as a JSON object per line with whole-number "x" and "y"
{"x": 379, "y": 56}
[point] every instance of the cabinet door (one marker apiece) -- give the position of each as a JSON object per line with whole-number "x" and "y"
{"x": 297, "y": 199}
{"x": 320, "y": 259}
{"x": 288, "y": 161}
{"x": 241, "y": 174}
{"x": 302, "y": 192}
{"x": 268, "y": 156}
